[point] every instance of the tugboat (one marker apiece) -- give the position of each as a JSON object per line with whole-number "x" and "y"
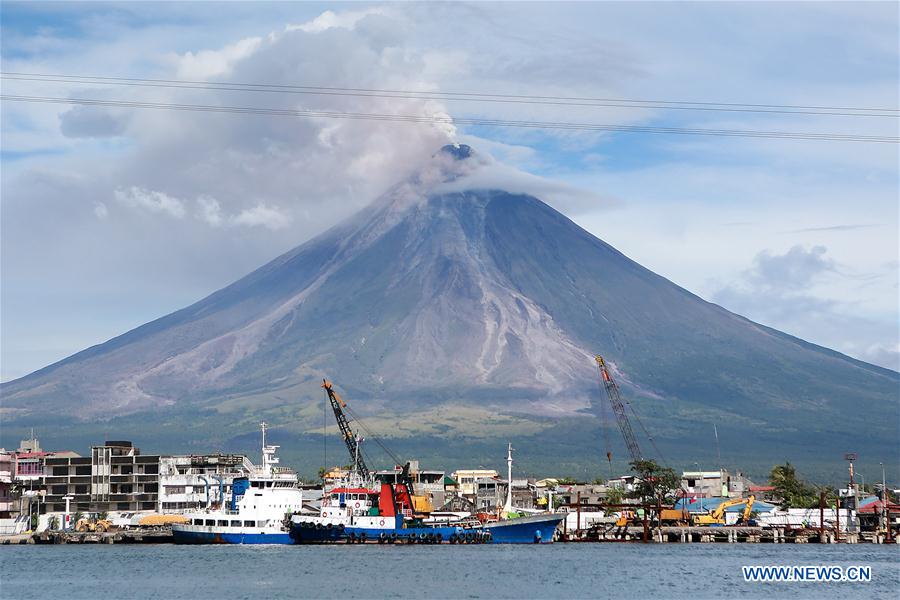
{"x": 256, "y": 511}
{"x": 359, "y": 511}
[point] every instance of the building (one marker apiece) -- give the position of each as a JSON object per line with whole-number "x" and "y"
{"x": 490, "y": 493}
{"x": 584, "y": 494}
{"x": 715, "y": 484}
{"x": 116, "y": 477}
{"x": 428, "y": 484}
{"x": 705, "y": 484}
{"x": 8, "y": 503}
{"x": 466, "y": 478}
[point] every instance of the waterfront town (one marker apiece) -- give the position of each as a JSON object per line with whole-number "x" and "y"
{"x": 117, "y": 493}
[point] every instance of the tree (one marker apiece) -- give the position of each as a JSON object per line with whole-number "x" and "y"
{"x": 656, "y": 485}
{"x": 794, "y": 492}
{"x": 614, "y": 495}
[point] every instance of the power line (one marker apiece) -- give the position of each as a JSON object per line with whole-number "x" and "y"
{"x": 437, "y": 119}
{"x": 457, "y": 96}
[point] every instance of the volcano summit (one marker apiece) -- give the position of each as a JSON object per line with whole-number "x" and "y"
{"x": 447, "y": 309}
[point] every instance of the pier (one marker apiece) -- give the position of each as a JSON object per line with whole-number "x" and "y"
{"x": 126, "y": 536}
{"x": 728, "y": 535}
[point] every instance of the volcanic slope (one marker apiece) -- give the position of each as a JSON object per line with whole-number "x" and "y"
{"x": 454, "y": 311}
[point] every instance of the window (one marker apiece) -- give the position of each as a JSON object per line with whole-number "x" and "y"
{"x": 58, "y": 471}
{"x": 223, "y": 523}
{"x": 249, "y": 523}
{"x": 197, "y": 521}
{"x": 83, "y": 470}
{"x": 210, "y": 522}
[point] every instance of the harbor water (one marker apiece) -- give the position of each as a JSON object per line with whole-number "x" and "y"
{"x": 479, "y": 571}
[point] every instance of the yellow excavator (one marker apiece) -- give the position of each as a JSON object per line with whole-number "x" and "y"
{"x": 717, "y": 516}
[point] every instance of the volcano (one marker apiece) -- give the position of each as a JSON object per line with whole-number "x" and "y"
{"x": 447, "y": 309}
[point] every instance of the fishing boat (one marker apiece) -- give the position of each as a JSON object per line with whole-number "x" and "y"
{"x": 256, "y": 511}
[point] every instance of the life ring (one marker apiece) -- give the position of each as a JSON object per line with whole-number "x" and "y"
{"x": 381, "y": 522}
{"x": 330, "y": 526}
{"x": 356, "y": 505}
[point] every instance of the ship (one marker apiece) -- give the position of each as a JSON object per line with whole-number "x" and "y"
{"x": 361, "y": 510}
{"x": 256, "y": 512}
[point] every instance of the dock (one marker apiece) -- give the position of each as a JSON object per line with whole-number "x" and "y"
{"x": 729, "y": 535}
{"x": 125, "y": 536}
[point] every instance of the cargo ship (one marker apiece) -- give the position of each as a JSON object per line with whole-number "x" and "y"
{"x": 255, "y": 513}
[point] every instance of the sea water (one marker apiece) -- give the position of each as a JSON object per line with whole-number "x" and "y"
{"x": 579, "y": 570}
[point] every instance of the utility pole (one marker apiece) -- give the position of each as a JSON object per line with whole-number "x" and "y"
{"x": 852, "y": 492}
{"x": 885, "y": 514}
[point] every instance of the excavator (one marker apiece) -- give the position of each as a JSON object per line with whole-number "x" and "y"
{"x": 717, "y": 516}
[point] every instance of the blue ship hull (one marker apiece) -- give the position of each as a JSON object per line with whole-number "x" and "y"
{"x": 306, "y": 533}
{"x": 203, "y": 537}
{"x": 538, "y": 529}
{"x": 415, "y": 535}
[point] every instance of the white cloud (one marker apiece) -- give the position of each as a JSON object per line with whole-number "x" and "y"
{"x": 782, "y": 291}
{"x": 210, "y": 211}
{"x": 330, "y": 20}
{"x": 100, "y": 210}
{"x": 261, "y": 215}
{"x": 207, "y": 64}
{"x": 794, "y": 270}
{"x": 157, "y": 202}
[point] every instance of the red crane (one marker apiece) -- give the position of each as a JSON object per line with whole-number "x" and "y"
{"x": 612, "y": 392}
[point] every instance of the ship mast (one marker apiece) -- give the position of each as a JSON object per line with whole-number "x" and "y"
{"x": 268, "y": 452}
{"x": 509, "y": 461}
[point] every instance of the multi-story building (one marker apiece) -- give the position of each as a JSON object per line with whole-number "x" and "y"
{"x": 466, "y": 479}
{"x": 490, "y": 493}
{"x": 116, "y": 477}
{"x": 8, "y": 505}
{"x": 715, "y": 484}
{"x": 428, "y": 484}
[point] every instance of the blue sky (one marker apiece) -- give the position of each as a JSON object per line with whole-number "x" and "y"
{"x": 112, "y": 217}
